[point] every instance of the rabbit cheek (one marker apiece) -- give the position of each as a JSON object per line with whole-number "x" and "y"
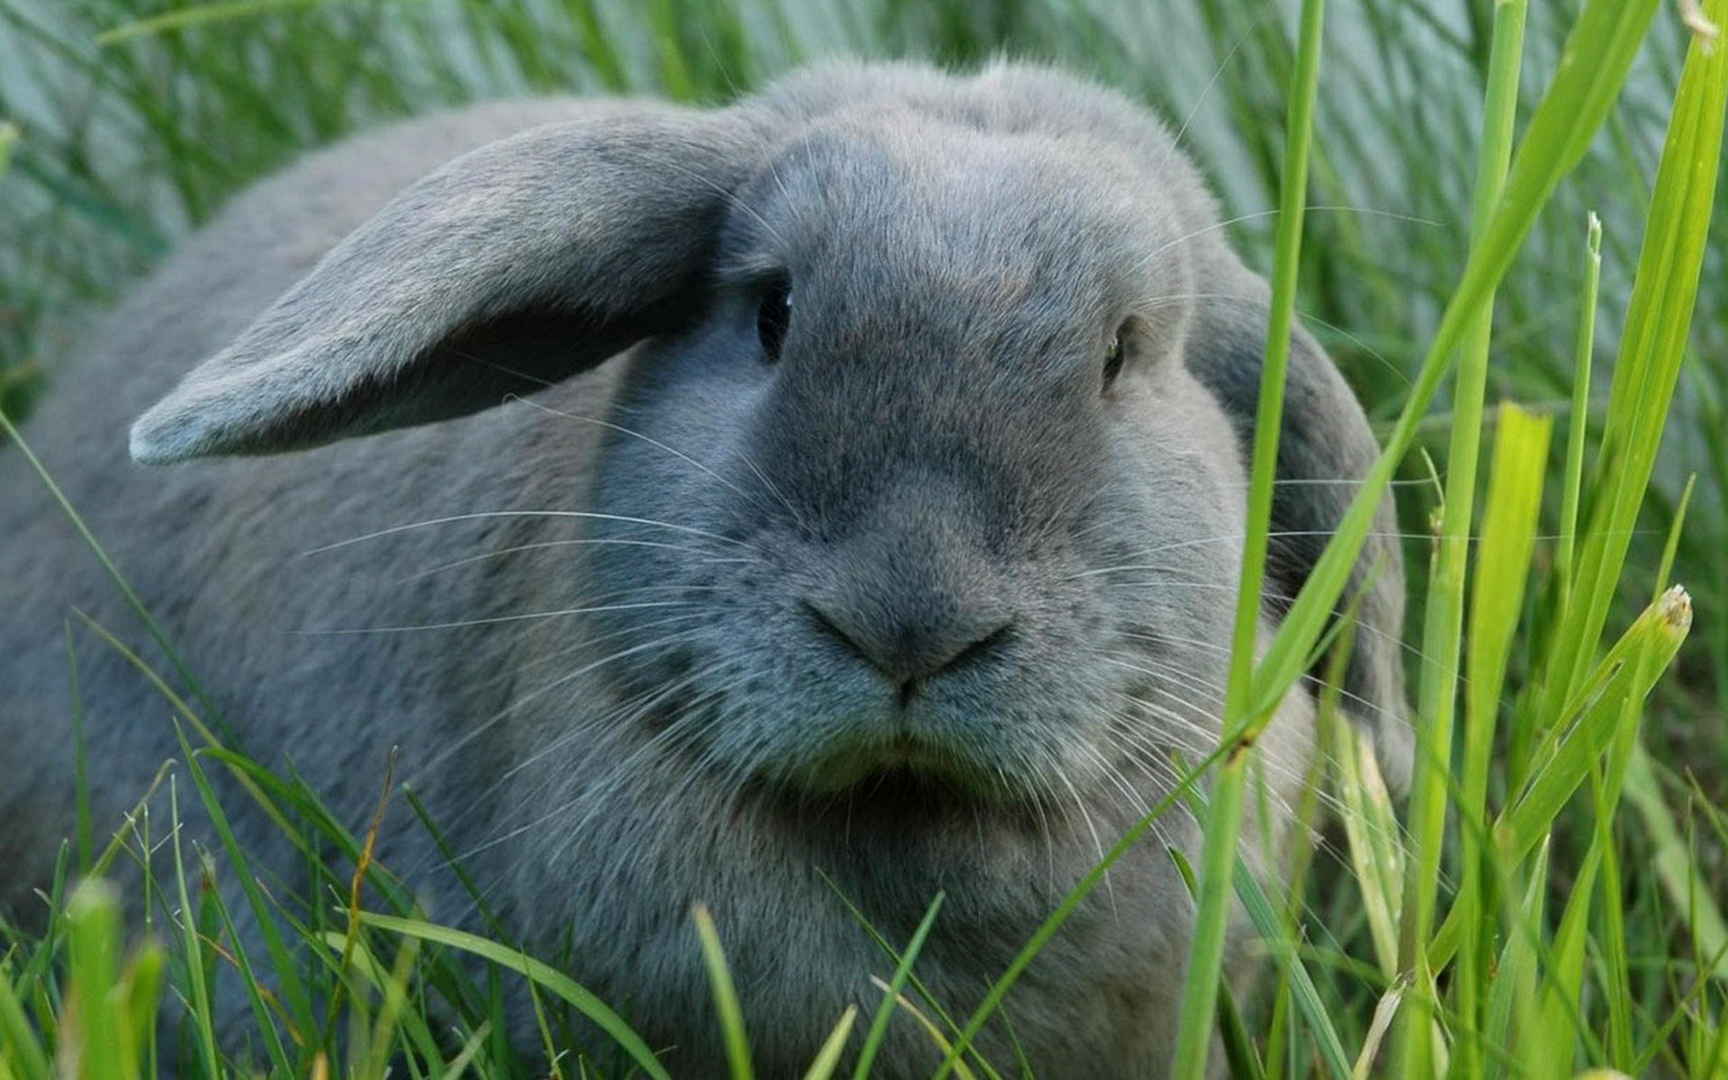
{"x": 1164, "y": 548}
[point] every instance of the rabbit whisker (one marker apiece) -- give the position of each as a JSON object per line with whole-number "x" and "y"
{"x": 536, "y": 694}
{"x": 517, "y": 549}
{"x": 622, "y": 718}
{"x": 1240, "y": 218}
{"x": 656, "y": 443}
{"x": 579, "y": 515}
{"x": 492, "y": 620}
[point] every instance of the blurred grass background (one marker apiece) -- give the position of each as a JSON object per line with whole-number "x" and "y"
{"x": 133, "y": 131}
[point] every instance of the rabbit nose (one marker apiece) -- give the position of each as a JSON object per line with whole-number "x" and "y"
{"x": 915, "y": 642}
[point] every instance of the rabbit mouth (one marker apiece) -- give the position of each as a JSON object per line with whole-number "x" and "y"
{"x": 910, "y": 788}
{"x": 904, "y": 767}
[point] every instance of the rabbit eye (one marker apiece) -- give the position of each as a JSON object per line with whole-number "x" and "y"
{"x": 1113, "y": 357}
{"x": 772, "y": 318}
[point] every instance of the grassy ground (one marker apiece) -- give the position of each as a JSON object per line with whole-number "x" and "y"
{"x": 1554, "y": 899}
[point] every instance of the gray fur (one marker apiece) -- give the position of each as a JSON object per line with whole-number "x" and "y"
{"x": 924, "y": 609}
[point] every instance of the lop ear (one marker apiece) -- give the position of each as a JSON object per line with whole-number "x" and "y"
{"x": 1325, "y": 443}
{"x": 526, "y": 261}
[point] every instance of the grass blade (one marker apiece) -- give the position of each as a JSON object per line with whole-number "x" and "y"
{"x": 543, "y": 975}
{"x": 1223, "y": 820}
{"x": 1620, "y": 678}
{"x": 903, "y": 971}
{"x": 828, "y": 1058}
{"x": 725, "y": 995}
{"x": 1502, "y": 566}
{"x": 24, "y": 1054}
{"x": 197, "y": 963}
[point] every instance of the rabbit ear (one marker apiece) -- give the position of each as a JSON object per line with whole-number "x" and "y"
{"x": 1325, "y": 442}
{"x": 526, "y": 261}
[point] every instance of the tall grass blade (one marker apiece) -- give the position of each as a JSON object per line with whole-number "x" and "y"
{"x": 1223, "y": 819}
{"x": 1443, "y": 626}
{"x": 1512, "y": 997}
{"x": 1578, "y": 422}
{"x": 1574, "y": 746}
{"x": 1384, "y": 1013}
{"x": 1502, "y": 566}
{"x": 1240, "y": 1060}
{"x": 1328, "y": 1047}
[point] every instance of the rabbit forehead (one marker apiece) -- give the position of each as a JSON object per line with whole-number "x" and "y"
{"x": 890, "y": 194}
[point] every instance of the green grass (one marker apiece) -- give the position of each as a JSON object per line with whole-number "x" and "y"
{"x": 1549, "y": 899}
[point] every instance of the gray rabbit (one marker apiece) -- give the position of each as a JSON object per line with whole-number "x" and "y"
{"x": 837, "y": 493}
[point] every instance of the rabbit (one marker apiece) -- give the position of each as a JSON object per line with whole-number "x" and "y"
{"x": 830, "y": 498}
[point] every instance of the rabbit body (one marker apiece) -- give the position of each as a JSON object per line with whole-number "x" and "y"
{"x": 860, "y": 515}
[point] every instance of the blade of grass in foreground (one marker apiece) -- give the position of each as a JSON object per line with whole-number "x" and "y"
{"x": 1501, "y": 569}
{"x": 1512, "y": 994}
{"x": 1578, "y": 423}
{"x": 1575, "y": 745}
{"x": 1525, "y": 722}
{"x": 93, "y": 939}
{"x": 1371, "y": 831}
{"x": 24, "y": 1054}
{"x": 1444, "y": 616}
{"x": 1240, "y": 1060}
{"x": 1223, "y": 819}
{"x": 1328, "y": 1047}
{"x": 937, "y": 1012}
{"x": 298, "y": 999}
{"x": 1607, "y": 786}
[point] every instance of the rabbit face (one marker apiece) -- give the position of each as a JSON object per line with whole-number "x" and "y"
{"x": 923, "y": 475}
{"x": 959, "y": 523}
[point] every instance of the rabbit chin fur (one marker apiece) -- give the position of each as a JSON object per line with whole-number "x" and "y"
{"x": 788, "y": 530}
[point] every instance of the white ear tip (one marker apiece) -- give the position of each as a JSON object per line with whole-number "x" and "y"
{"x": 156, "y": 440}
